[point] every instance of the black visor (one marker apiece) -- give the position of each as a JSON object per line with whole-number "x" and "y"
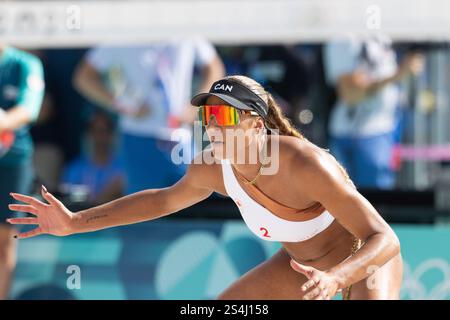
{"x": 235, "y": 94}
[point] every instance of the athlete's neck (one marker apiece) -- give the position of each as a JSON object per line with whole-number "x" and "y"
{"x": 252, "y": 164}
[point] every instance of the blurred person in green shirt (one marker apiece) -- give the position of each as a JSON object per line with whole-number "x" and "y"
{"x": 21, "y": 94}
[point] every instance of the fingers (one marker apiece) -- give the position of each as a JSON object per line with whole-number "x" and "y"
{"x": 319, "y": 292}
{"x": 310, "y": 283}
{"x": 23, "y": 208}
{"x": 31, "y": 233}
{"x": 323, "y": 295}
{"x": 307, "y": 271}
{"x": 27, "y": 199}
{"x": 48, "y": 196}
{"x": 312, "y": 294}
{"x": 22, "y": 221}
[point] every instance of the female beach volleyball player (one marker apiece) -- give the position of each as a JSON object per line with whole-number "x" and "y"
{"x": 332, "y": 239}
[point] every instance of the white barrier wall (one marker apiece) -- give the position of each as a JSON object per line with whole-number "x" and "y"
{"x": 84, "y": 23}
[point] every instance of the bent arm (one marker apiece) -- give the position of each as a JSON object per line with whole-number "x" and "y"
{"x": 29, "y": 100}
{"x": 87, "y": 80}
{"x": 15, "y": 118}
{"x": 145, "y": 205}
{"x": 355, "y": 87}
{"x": 327, "y": 185}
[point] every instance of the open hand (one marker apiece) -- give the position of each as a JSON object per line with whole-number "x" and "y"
{"x": 52, "y": 218}
{"x": 320, "y": 285}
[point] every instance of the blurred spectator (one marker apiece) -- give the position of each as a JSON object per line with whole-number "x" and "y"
{"x": 21, "y": 93}
{"x": 57, "y": 134}
{"x": 362, "y": 123}
{"x": 99, "y": 171}
{"x": 150, "y": 87}
{"x": 48, "y": 157}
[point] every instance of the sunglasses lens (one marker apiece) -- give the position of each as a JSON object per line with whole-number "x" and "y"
{"x": 223, "y": 115}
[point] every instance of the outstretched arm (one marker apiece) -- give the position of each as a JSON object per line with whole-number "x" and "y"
{"x": 54, "y": 218}
{"x": 88, "y": 82}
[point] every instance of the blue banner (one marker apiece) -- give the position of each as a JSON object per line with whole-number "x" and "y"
{"x": 189, "y": 259}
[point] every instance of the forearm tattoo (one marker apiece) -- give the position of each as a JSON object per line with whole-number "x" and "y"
{"x": 90, "y": 219}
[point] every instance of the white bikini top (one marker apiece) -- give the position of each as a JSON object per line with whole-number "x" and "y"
{"x": 267, "y": 225}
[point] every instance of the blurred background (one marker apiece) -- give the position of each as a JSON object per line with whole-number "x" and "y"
{"x": 91, "y": 93}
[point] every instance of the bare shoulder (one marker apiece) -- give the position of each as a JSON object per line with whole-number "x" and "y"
{"x": 296, "y": 150}
{"x": 204, "y": 171}
{"x": 309, "y": 162}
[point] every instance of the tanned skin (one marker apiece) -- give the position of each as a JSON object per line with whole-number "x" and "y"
{"x": 317, "y": 268}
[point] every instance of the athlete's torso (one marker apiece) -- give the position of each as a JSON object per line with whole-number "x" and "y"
{"x": 266, "y": 224}
{"x": 324, "y": 243}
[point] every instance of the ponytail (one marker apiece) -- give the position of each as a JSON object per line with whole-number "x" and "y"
{"x": 276, "y": 120}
